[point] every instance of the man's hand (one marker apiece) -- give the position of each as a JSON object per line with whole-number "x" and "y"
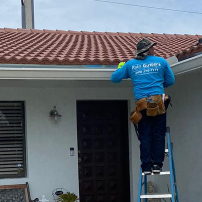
{"x": 120, "y": 65}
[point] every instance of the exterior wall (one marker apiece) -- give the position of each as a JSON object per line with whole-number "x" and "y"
{"x": 49, "y": 164}
{"x": 185, "y": 120}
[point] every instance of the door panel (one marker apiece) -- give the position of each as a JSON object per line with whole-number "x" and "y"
{"x": 102, "y": 128}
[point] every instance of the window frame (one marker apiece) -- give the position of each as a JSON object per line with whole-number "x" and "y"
{"x": 24, "y": 173}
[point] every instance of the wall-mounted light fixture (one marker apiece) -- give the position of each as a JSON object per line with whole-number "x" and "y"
{"x": 54, "y": 115}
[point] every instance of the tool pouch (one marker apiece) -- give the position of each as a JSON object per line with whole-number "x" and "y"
{"x": 152, "y": 109}
{"x": 141, "y": 104}
{"x": 135, "y": 116}
{"x": 161, "y": 107}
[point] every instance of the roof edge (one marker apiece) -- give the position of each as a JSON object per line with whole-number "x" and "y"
{"x": 51, "y": 72}
{"x": 187, "y": 65}
{"x": 98, "y": 33}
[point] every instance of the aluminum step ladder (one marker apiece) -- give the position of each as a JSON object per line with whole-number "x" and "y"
{"x": 173, "y": 196}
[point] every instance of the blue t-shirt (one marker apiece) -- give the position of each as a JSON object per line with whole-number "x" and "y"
{"x": 149, "y": 76}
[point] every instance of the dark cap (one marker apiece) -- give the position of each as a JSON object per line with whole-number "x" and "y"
{"x": 144, "y": 45}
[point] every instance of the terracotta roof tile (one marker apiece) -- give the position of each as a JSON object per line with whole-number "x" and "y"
{"x": 157, "y": 35}
{"x": 24, "y": 30}
{"x": 87, "y": 33}
{"x": 135, "y": 34}
{"x": 10, "y": 30}
{"x": 20, "y": 46}
{"x": 170, "y": 35}
{"x": 112, "y": 33}
{"x": 180, "y": 36}
{"x": 189, "y": 51}
{"x": 50, "y": 31}
{"x": 99, "y": 33}
{"x": 192, "y": 36}
{"x": 61, "y": 31}
{"x": 74, "y": 32}
{"x": 146, "y": 34}
{"x": 199, "y": 36}
{"x": 37, "y": 31}
{"x": 122, "y": 34}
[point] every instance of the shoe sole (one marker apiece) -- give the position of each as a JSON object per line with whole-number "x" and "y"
{"x": 149, "y": 173}
{"x": 156, "y": 171}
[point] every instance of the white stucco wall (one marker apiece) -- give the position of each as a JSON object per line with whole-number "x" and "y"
{"x": 49, "y": 164}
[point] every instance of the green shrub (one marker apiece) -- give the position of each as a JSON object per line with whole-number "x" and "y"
{"x": 68, "y": 197}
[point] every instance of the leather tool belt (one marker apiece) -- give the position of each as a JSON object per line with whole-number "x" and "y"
{"x": 154, "y": 106}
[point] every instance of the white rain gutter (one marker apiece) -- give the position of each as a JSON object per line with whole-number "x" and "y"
{"x": 79, "y": 72}
{"x": 187, "y": 65}
{"x": 55, "y": 72}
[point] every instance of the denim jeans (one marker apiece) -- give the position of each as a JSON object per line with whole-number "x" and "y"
{"x": 152, "y": 130}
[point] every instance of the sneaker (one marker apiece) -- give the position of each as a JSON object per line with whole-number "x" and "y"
{"x": 147, "y": 172}
{"x": 156, "y": 169}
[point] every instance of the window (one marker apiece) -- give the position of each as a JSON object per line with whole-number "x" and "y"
{"x": 12, "y": 140}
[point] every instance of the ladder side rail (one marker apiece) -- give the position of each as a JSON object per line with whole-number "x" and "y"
{"x": 170, "y": 164}
{"x": 145, "y": 187}
{"x": 174, "y": 175}
{"x": 140, "y": 185}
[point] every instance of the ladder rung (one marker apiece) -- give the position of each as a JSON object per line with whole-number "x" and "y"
{"x": 156, "y": 196}
{"x": 161, "y": 173}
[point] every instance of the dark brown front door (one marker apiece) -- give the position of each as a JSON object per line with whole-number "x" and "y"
{"x": 102, "y": 128}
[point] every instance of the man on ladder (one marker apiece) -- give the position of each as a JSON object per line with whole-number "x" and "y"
{"x": 150, "y": 75}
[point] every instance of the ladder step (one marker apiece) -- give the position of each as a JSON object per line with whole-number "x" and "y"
{"x": 156, "y": 196}
{"x": 161, "y": 173}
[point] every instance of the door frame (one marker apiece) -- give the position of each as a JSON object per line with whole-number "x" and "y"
{"x": 129, "y": 162}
